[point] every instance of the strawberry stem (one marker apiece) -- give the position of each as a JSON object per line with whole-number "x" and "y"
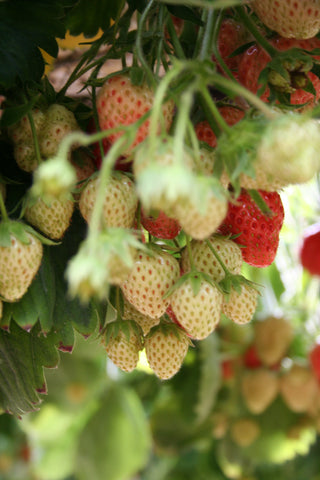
{"x": 138, "y": 46}
{"x": 3, "y": 209}
{"x": 188, "y": 243}
{"x": 256, "y": 33}
{"x": 214, "y": 110}
{"x": 35, "y": 138}
{"x": 206, "y": 44}
{"x": 178, "y": 50}
{"x": 215, "y": 48}
{"x": 215, "y": 253}
{"x": 182, "y": 122}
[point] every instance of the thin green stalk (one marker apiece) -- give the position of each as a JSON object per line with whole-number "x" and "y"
{"x": 139, "y": 49}
{"x": 217, "y": 256}
{"x": 35, "y": 138}
{"x": 215, "y": 48}
{"x": 250, "y": 25}
{"x": 214, "y": 110}
{"x": 206, "y": 45}
{"x": 3, "y": 210}
{"x": 178, "y": 50}
{"x": 182, "y": 122}
{"x": 188, "y": 244}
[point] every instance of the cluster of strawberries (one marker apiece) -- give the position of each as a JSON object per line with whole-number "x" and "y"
{"x": 176, "y": 223}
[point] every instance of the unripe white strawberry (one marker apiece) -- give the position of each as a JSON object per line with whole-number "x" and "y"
{"x": 131, "y": 313}
{"x": 272, "y": 337}
{"x": 259, "y": 388}
{"x": 123, "y": 345}
{"x": 244, "y": 431}
{"x": 298, "y": 387}
{"x": 241, "y": 306}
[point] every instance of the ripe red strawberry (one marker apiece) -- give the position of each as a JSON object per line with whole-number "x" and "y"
{"x": 166, "y": 347}
{"x": 232, "y": 35}
{"x": 251, "y": 359}
{"x": 151, "y": 277}
{"x": 20, "y": 259}
{"x": 258, "y": 233}
{"x": 205, "y": 261}
{"x": 204, "y": 132}
{"x": 255, "y": 59}
{"x": 310, "y": 249}
{"x": 290, "y": 18}
{"x": 119, "y": 102}
{"x": 52, "y": 218}
{"x": 123, "y": 344}
{"x": 198, "y": 312}
{"x": 120, "y": 202}
{"x": 314, "y": 358}
{"x": 160, "y": 225}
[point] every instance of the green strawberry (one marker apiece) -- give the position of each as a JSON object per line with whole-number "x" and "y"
{"x": 152, "y": 275}
{"x": 197, "y": 306}
{"x": 20, "y": 259}
{"x": 123, "y": 344}
{"x": 205, "y": 261}
{"x": 120, "y": 201}
{"x": 51, "y": 218}
{"x": 166, "y": 346}
{"x": 131, "y": 313}
{"x": 59, "y": 121}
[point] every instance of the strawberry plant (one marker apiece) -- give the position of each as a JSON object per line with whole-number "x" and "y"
{"x": 149, "y": 212}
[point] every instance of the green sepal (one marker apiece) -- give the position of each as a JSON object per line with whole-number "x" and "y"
{"x": 19, "y": 230}
{"x": 196, "y": 278}
{"x": 234, "y": 282}
{"x": 259, "y": 201}
{"x": 125, "y": 327}
{"x": 166, "y": 327}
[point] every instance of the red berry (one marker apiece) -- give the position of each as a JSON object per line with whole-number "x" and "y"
{"x": 314, "y": 357}
{"x": 251, "y": 359}
{"x": 310, "y": 250}
{"x": 257, "y": 233}
{"x": 160, "y": 226}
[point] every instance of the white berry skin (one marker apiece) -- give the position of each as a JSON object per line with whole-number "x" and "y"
{"x": 150, "y": 278}
{"x": 19, "y": 264}
{"x": 165, "y": 353}
{"x": 205, "y": 261}
{"x": 124, "y": 353}
{"x": 120, "y": 201}
{"x": 240, "y": 307}
{"x": 197, "y": 314}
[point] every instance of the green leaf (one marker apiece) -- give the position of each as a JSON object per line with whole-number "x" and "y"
{"x": 87, "y": 17}
{"x": 22, "y": 358}
{"x": 24, "y": 28}
{"x": 115, "y": 444}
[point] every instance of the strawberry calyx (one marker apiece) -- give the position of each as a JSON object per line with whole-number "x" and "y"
{"x": 196, "y": 278}
{"x": 128, "y": 328}
{"x": 167, "y": 327}
{"x": 20, "y": 230}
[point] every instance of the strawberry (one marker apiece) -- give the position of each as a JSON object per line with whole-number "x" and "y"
{"x": 152, "y": 275}
{"x": 51, "y": 218}
{"x": 272, "y": 338}
{"x": 84, "y": 167}
{"x": 59, "y": 121}
{"x": 241, "y": 306}
{"x": 160, "y": 225}
{"x": 309, "y": 253}
{"x": 259, "y": 388}
{"x": 131, "y": 313}
{"x": 289, "y": 148}
{"x": 257, "y": 233}
{"x": 166, "y": 347}
{"x": 255, "y": 59}
{"x": 197, "y": 309}
{"x": 244, "y": 431}
{"x": 201, "y": 224}
{"x": 121, "y": 103}
{"x": 299, "y": 388}
{"x": 230, "y": 114}
{"x": 123, "y": 344}
{"x": 290, "y": 18}
{"x": 21, "y": 131}
{"x": 20, "y": 259}
{"x": 314, "y": 359}
{"x": 120, "y": 201}
{"x": 232, "y": 35}
{"x": 205, "y": 261}
{"x": 251, "y": 359}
